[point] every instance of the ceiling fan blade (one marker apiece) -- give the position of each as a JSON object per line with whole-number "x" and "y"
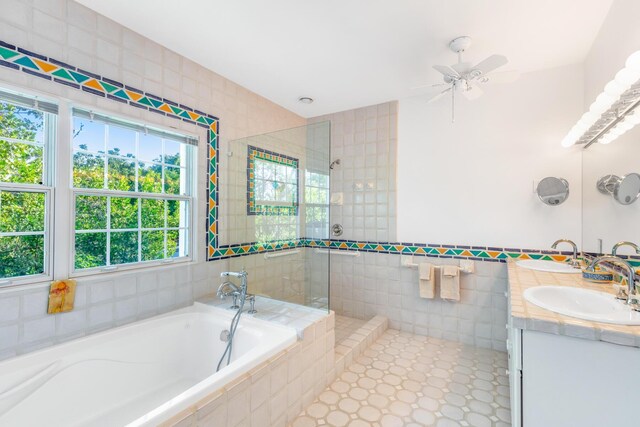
{"x": 491, "y": 63}
{"x": 462, "y": 67}
{"x": 499, "y": 77}
{"x": 446, "y": 71}
{"x": 438, "y": 96}
{"x": 473, "y": 91}
{"x": 429, "y": 86}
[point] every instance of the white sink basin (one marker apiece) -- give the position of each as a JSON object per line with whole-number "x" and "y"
{"x": 583, "y": 304}
{"x": 549, "y": 266}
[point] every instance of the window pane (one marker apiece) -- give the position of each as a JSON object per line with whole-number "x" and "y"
{"x": 172, "y": 180}
{"x": 152, "y": 213}
{"x": 21, "y": 256}
{"x": 21, "y": 211}
{"x": 150, "y": 148}
{"x": 124, "y": 213}
{"x": 91, "y": 250}
{"x": 121, "y": 174}
{"x": 152, "y": 245}
{"x": 172, "y": 152}
{"x": 21, "y": 163}
{"x": 124, "y": 247}
{"x": 21, "y": 123}
{"x": 150, "y": 178}
{"x": 91, "y": 213}
{"x": 88, "y": 170}
{"x": 88, "y": 135}
{"x": 175, "y": 245}
{"x": 121, "y": 142}
{"x": 175, "y": 211}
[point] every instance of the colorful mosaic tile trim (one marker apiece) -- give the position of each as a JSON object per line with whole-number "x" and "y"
{"x": 231, "y": 251}
{"x": 478, "y": 253}
{"x": 59, "y": 72}
{"x": 254, "y": 208}
{"x": 56, "y": 71}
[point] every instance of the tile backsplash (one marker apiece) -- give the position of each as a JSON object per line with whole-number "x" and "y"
{"x": 101, "y": 303}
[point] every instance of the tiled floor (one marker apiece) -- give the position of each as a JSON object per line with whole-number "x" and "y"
{"x": 345, "y": 326}
{"x": 412, "y": 380}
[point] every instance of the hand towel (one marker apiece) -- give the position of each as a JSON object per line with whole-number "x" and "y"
{"x": 450, "y": 282}
{"x": 427, "y": 280}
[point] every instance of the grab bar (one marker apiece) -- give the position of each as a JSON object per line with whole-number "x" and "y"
{"x": 338, "y": 252}
{"x": 466, "y": 266}
{"x": 279, "y": 254}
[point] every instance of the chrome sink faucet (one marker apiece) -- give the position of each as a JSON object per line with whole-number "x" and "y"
{"x": 625, "y": 243}
{"x": 629, "y": 296}
{"x": 574, "y": 261}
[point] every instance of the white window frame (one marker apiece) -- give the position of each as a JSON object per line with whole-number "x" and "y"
{"x": 285, "y": 183}
{"x": 60, "y": 195}
{"x": 189, "y": 199}
{"x": 46, "y": 188}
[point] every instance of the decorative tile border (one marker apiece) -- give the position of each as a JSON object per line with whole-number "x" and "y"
{"x": 478, "y": 253}
{"x": 253, "y": 208}
{"x": 59, "y": 72}
{"x": 232, "y": 251}
{"x": 56, "y": 71}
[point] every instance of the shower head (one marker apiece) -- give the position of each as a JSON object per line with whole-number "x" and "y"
{"x": 335, "y": 162}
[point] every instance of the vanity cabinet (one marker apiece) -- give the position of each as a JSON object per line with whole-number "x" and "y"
{"x": 562, "y": 381}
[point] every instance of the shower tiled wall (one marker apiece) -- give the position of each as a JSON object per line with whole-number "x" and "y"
{"x": 377, "y": 284}
{"x": 365, "y": 141}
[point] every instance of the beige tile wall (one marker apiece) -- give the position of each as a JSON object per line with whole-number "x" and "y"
{"x": 69, "y": 32}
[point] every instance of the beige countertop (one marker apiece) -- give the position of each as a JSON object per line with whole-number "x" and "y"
{"x": 531, "y": 317}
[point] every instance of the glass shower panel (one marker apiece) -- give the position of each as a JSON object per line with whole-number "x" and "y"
{"x": 275, "y": 198}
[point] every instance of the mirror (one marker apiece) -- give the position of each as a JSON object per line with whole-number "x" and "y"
{"x": 625, "y": 190}
{"x": 553, "y": 191}
{"x": 609, "y": 193}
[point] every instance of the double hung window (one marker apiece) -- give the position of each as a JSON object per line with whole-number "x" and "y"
{"x": 27, "y": 132}
{"x": 132, "y": 192}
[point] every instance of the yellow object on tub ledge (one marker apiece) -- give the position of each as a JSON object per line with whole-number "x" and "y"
{"x": 62, "y": 295}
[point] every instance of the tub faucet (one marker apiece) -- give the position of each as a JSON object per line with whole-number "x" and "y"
{"x": 625, "y": 243}
{"x": 228, "y": 288}
{"x": 629, "y": 296}
{"x": 574, "y": 261}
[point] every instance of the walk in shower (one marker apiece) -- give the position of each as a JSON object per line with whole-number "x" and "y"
{"x": 274, "y": 190}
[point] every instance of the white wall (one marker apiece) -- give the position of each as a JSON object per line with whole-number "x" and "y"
{"x": 471, "y": 182}
{"x": 603, "y": 218}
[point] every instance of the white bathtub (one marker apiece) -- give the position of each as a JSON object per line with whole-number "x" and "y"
{"x": 135, "y": 375}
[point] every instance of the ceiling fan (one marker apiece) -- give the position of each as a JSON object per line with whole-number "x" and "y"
{"x": 466, "y": 78}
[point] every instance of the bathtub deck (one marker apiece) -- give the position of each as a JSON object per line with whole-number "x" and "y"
{"x": 132, "y": 410}
{"x": 410, "y": 380}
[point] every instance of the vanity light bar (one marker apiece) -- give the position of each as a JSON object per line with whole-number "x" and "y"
{"x": 613, "y": 111}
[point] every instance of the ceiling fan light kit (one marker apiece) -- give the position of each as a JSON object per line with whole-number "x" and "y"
{"x": 466, "y": 78}
{"x": 613, "y": 112}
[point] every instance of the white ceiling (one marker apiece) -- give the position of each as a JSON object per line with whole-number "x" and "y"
{"x": 352, "y": 53}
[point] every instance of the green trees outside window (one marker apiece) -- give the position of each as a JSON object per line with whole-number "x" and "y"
{"x": 23, "y": 197}
{"x": 111, "y": 227}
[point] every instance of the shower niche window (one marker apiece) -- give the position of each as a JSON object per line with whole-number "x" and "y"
{"x": 316, "y": 200}
{"x": 272, "y": 187}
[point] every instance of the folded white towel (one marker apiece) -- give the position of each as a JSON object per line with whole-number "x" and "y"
{"x": 427, "y": 280}
{"x": 450, "y": 282}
